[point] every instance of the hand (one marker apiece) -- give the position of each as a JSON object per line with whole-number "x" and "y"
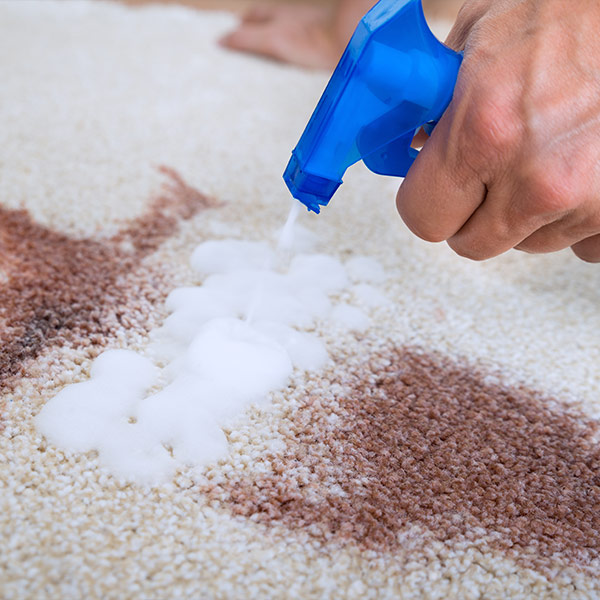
{"x": 515, "y": 160}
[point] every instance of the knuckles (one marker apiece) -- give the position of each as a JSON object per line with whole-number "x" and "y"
{"x": 492, "y": 132}
{"x": 544, "y": 191}
{"x": 494, "y": 139}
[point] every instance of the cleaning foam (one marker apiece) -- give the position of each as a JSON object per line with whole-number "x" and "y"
{"x": 148, "y": 416}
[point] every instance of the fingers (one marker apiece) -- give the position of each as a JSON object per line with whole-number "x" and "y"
{"x": 420, "y": 138}
{"x": 494, "y": 228}
{"x": 513, "y": 163}
{"x": 444, "y": 197}
{"x": 563, "y": 232}
{"x": 440, "y": 193}
{"x": 588, "y": 249}
{"x": 471, "y": 184}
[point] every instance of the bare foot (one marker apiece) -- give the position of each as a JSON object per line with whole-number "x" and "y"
{"x": 302, "y": 35}
{"x": 308, "y": 35}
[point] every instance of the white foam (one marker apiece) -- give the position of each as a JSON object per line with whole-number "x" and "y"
{"x": 270, "y": 296}
{"x": 82, "y": 415}
{"x": 364, "y": 269}
{"x": 239, "y": 358}
{"x": 304, "y": 240}
{"x": 369, "y": 295}
{"x": 223, "y": 256}
{"x": 306, "y": 351}
{"x": 318, "y": 270}
{"x": 350, "y": 317}
{"x": 212, "y": 363}
{"x": 132, "y": 452}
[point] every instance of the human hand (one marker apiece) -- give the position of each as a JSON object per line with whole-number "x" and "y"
{"x": 515, "y": 160}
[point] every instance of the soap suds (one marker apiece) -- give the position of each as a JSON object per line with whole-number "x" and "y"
{"x": 215, "y": 257}
{"x": 366, "y": 270}
{"x": 285, "y": 244}
{"x": 369, "y": 296}
{"x": 148, "y": 416}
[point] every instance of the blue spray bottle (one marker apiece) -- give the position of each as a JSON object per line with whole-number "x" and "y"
{"x": 394, "y": 77}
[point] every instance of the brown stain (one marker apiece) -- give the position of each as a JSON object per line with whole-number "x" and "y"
{"x": 58, "y": 289}
{"x": 423, "y": 440}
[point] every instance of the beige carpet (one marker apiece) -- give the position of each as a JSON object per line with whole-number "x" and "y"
{"x": 448, "y": 451}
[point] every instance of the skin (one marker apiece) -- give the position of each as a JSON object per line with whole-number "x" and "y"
{"x": 306, "y": 35}
{"x": 311, "y": 35}
{"x": 515, "y": 160}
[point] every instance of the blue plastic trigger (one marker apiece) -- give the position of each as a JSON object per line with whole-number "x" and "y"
{"x": 394, "y": 77}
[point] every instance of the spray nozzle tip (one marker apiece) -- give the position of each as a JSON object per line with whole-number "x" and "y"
{"x": 313, "y": 191}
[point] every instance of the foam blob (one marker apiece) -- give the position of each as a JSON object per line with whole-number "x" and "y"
{"x": 163, "y": 349}
{"x": 82, "y": 415}
{"x": 185, "y": 415}
{"x": 225, "y": 344}
{"x": 223, "y": 256}
{"x": 239, "y": 358}
{"x": 369, "y": 295}
{"x": 266, "y": 295}
{"x": 304, "y": 240}
{"x": 195, "y": 400}
{"x": 124, "y": 370}
{"x": 199, "y": 300}
{"x": 364, "y": 269}
{"x": 132, "y": 453}
{"x": 318, "y": 270}
{"x": 75, "y": 418}
{"x": 306, "y": 351}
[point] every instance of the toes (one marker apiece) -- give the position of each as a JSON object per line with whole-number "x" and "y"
{"x": 285, "y": 40}
{"x": 246, "y": 37}
{"x": 255, "y": 39}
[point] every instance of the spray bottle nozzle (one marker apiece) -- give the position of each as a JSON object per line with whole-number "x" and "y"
{"x": 394, "y": 77}
{"x": 312, "y": 190}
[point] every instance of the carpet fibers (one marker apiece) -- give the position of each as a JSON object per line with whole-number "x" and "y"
{"x": 448, "y": 450}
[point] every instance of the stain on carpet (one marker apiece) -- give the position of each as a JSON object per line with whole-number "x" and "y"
{"x": 420, "y": 439}
{"x": 55, "y": 288}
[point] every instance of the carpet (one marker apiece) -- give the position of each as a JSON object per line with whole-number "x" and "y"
{"x": 447, "y": 449}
